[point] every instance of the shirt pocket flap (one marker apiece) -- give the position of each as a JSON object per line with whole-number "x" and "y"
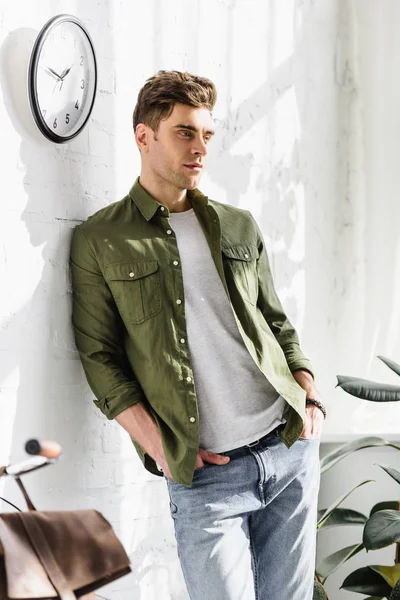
{"x": 130, "y": 271}
{"x": 246, "y": 253}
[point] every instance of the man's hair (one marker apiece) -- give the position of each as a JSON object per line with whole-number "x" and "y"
{"x": 160, "y": 93}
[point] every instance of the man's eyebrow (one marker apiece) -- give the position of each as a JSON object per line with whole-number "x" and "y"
{"x": 192, "y": 128}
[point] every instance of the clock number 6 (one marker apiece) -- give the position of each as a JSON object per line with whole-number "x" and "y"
{"x": 55, "y": 123}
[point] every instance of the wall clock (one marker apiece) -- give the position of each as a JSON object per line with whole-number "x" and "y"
{"x": 62, "y": 78}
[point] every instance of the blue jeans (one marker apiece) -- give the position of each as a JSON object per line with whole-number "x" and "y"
{"x": 247, "y": 530}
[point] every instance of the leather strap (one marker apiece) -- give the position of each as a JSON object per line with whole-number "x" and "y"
{"x": 25, "y": 494}
{"x": 46, "y": 557}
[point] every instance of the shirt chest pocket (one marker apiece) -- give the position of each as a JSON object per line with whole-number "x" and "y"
{"x": 240, "y": 267}
{"x": 136, "y": 289}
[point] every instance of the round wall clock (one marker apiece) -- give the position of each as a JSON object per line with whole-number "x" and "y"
{"x": 62, "y": 78}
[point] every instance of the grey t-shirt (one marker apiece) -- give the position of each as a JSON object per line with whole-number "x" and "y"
{"x": 237, "y": 404}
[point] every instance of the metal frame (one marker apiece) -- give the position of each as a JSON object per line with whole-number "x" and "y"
{"x": 32, "y": 71}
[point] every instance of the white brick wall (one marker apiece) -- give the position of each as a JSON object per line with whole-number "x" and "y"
{"x": 285, "y": 102}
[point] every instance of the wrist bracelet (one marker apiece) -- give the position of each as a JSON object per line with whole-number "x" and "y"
{"x": 318, "y": 404}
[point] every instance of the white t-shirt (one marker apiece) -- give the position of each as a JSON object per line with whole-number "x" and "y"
{"x": 237, "y": 404}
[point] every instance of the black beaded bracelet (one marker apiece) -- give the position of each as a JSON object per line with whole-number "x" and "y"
{"x": 318, "y": 404}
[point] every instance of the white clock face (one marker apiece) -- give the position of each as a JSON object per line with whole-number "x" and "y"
{"x": 64, "y": 74}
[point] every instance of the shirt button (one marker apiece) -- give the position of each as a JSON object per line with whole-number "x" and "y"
{"x": 179, "y": 301}
{"x": 192, "y": 419}
{"x": 169, "y": 231}
{"x": 188, "y": 379}
{"x": 163, "y": 208}
{"x": 176, "y": 262}
{"x": 246, "y": 256}
{"x": 131, "y": 274}
{"x": 182, "y": 340}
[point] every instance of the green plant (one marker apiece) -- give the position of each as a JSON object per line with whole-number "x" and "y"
{"x": 381, "y": 527}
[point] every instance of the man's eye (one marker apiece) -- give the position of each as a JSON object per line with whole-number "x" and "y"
{"x": 185, "y": 133}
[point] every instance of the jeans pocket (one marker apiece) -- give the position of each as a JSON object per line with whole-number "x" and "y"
{"x": 201, "y": 469}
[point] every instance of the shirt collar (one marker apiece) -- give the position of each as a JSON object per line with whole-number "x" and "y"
{"x": 148, "y": 206}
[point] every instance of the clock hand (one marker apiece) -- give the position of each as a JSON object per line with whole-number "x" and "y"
{"x": 66, "y": 71}
{"x": 53, "y": 72}
{"x": 64, "y": 74}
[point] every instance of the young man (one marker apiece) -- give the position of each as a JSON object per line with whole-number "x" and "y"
{"x": 185, "y": 343}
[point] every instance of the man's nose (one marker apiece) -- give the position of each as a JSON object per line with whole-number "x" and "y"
{"x": 200, "y": 147}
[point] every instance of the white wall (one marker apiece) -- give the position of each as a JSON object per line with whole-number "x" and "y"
{"x": 292, "y": 145}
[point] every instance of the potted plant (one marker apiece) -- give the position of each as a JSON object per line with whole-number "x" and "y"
{"x": 381, "y": 526}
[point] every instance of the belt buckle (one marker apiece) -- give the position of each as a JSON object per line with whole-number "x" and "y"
{"x": 253, "y": 444}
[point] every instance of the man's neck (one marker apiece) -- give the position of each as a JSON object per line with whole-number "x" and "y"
{"x": 176, "y": 200}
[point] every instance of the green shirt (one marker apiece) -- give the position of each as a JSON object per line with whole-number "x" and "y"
{"x": 129, "y": 316}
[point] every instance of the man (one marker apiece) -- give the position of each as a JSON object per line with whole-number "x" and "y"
{"x": 185, "y": 343}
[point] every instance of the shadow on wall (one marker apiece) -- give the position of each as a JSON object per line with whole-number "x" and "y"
{"x": 37, "y": 340}
{"x": 283, "y": 179}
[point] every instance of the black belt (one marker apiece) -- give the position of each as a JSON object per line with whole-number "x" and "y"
{"x": 276, "y": 431}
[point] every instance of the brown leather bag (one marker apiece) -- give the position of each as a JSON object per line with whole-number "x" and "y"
{"x": 61, "y": 555}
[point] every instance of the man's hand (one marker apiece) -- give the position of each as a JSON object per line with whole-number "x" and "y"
{"x": 313, "y": 423}
{"x": 203, "y": 456}
{"x": 314, "y": 419}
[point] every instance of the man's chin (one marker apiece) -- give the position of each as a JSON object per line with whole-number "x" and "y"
{"x": 192, "y": 182}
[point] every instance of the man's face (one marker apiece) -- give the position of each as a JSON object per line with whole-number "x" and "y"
{"x": 180, "y": 144}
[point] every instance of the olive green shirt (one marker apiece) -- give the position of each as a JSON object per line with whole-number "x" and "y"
{"x": 129, "y": 316}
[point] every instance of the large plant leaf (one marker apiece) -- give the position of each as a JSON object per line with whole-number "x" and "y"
{"x": 392, "y": 505}
{"x": 330, "y": 510}
{"x": 319, "y": 592}
{"x": 391, "y": 364}
{"x": 342, "y": 516}
{"x": 392, "y": 472}
{"x": 366, "y": 581}
{"x": 331, "y": 563}
{"x": 339, "y": 453}
{"x": 382, "y": 529}
{"x": 389, "y": 574}
{"x": 369, "y": 390}
{"x": 395, "y": 595}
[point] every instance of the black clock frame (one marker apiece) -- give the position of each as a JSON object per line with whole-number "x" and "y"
{"x": 32, "y": 71}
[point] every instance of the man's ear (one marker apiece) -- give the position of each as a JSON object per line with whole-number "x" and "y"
{"x": 142, "y": 137}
